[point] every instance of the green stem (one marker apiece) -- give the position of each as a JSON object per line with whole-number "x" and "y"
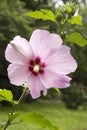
{"x": 62, "y": 26}
{"x": 15, "y": 105}
{"x": 14, "y": 123}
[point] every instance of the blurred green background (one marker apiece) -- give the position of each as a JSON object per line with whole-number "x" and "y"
{"x": 14, "y": 22}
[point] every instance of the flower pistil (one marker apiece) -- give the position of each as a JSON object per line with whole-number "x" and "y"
{"x": 36, "y": 66}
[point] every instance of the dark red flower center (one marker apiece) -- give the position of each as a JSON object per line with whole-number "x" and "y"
{"x": 36, "y": 66}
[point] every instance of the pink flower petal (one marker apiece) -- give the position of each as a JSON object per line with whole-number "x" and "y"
{"x": 62, "y": 81}
{"x": 42, "y": 42}
{"x": 35, "y": 86}
{"x": 51, "y": 80}
{"x": 62, "y": 61}
{"x": 18, "y": 73}
{"x": 18, "y": 50}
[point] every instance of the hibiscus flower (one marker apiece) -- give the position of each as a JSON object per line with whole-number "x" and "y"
{"x": 42, "y": 62}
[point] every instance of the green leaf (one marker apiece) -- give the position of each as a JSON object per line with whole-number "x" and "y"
{"x": 39, "y": 120}
{"x": 15, "y": 115}
{"x": 76, "y": 38}
{"x": 76, "y": 20}
{"x": 6, "y": 95}
{"x": 42, "y": 14}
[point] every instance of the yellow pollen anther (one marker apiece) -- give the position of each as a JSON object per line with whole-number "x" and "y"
{"x": 36, "y": 68}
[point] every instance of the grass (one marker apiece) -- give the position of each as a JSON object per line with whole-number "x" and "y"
{"x": 55, "y": 111}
